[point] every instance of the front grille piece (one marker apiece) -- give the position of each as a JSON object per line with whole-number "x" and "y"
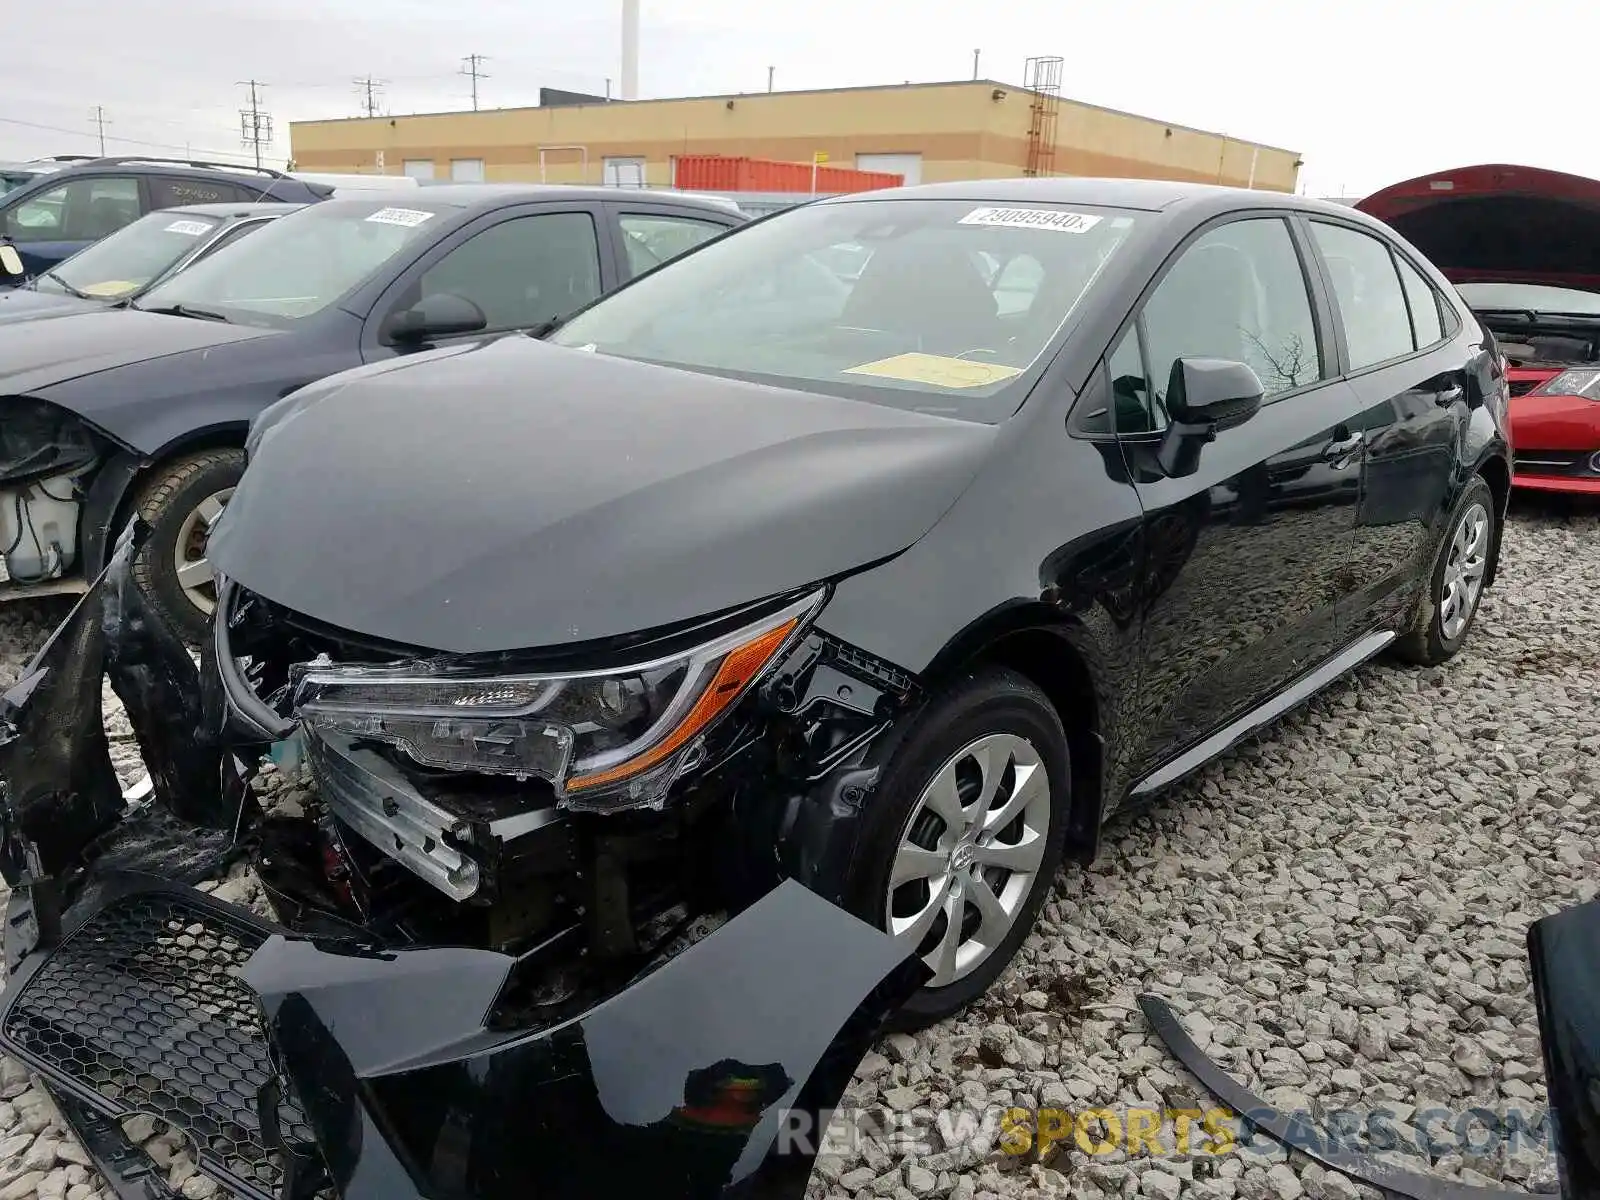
{"x": 139, "y": 1011}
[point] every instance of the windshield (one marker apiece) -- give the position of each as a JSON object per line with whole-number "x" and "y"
{"x": 14, "y": 179}
{"x": 1533, "y": 297}
{"x": 942, "y": 306}
{"x": 299, "y": 264}
{"x": 127, "y": 261}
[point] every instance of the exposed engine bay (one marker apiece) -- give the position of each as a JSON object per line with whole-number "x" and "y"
{"x": 449, "y": 846}
{"x": 46, "y": 459}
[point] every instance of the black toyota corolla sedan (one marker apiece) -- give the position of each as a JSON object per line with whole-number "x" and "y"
{"x": 845, "y": 606}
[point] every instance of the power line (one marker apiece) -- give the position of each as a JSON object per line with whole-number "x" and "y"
{"x": 367, "y": 89}
{"x": 101, "y": 122}
{"x": 114, "y": 138}
{"x": 255, "y": 126}
{"x": 471, "y": 70}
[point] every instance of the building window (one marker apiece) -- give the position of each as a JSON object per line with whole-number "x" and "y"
{"x": 623, "y": 171}
{"x": 466, "y": 170}
{"x": 419, "y": 168}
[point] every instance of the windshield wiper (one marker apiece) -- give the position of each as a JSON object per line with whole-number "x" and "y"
{"x": 60, "y": 282}
{"x": 546, "y": 328}
{"x": 183, "y": 310}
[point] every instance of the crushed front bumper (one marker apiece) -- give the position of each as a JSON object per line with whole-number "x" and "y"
{"x": 297, "y": 1067}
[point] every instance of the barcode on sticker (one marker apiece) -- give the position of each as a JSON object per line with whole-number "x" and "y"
{"x": 1033, "y": 218}
{"x": 190, "y": 228}
{"x": 409, "y": 217}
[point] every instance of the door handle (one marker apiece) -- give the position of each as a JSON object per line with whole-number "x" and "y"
{"x": 1340, "y": 453}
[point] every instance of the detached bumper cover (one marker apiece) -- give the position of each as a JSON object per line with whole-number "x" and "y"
{"x": 299, "y": 1068}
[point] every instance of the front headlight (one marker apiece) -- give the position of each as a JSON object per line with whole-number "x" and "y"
{"x": 604, "y": 739}
{"x": 1582, "y": 381}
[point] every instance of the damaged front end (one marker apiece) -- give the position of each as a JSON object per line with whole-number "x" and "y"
{"x": 528, "y": 939}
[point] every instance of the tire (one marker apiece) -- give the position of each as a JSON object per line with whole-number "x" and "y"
{"x": 1437, "y": 632}
{"x": 177, "y": 501}
{"x": 1009, "y": 716}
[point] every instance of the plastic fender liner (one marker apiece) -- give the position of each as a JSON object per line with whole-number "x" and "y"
{"x": 1294, "y": 1131}
{"x": 1564, "y": 957}
{"x": 712, "y": 1076}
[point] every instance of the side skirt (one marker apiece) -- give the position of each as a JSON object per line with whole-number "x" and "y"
{"x": 1295, "y": 694}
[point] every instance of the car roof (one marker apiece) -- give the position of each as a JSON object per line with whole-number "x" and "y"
{"x": 1149, "y": 195}
{"x": 234, "y": 210}
{"x": 495, "y": 195}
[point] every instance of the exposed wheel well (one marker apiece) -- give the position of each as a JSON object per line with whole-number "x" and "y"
{"x": 1498, "y": 476}
{"x": 1050, "y": 661}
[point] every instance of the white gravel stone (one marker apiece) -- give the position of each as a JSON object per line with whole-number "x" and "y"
{"x": 1335, "y": 910}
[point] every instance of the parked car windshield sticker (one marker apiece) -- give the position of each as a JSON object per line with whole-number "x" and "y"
{"x": 937, "y": 370}
{"x": 191, "y": 228}
{"x": 1033, "y": 218}
{"x": 110, "y": 287}
{"x": 408, "y": 217}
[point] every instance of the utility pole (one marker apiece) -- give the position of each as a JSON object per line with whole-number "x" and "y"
{"x": 367, "y": 89}
{"x": 471, "y": 70}
{"x": 975, "y": 56}
{"x": 255, "y": 126}
{"x": 771, "y": 71}
{"x": 100, "y": 121}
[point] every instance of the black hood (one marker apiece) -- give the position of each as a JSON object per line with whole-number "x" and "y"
{"x": 523, "y": 495}
{"x": 25, "y": 304}
{"x": 36, "y": 356}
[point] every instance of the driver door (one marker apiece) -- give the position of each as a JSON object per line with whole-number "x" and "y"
{"x": 521, "y": 267}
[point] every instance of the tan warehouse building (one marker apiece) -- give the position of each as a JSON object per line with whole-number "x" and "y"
{"x": 925, "y": 132}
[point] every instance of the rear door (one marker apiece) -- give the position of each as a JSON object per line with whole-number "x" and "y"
{"x": 647, "y": 235}
{"x": 522, "y": 266}
{"x": 1243, "y": 558}
{"x": 50, "y": 223}
{"x": 1410, "y": 378}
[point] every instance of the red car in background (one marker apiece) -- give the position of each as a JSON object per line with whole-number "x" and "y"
{"x": 1522, "y": 246}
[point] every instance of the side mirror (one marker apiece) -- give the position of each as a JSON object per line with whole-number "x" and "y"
{"x": 10, "y": 260}
{"x": 439, "y": 315}
{"x": 1204, "y": 397}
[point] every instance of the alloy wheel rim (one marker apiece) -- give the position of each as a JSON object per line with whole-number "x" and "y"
{"x": 968, "y": 855}
{"x": 195, "y": 575}
{"x": 1464, "y": 572}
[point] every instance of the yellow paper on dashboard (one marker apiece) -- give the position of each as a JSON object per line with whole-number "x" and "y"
{"x": 937, "y": 370}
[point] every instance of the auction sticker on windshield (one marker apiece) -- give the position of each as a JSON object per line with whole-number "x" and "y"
{"x": 937, "y": 370}
{"x": 191, "y": 228}
{"x": 1033, "y": 218}
{"x": 410, "y": 218}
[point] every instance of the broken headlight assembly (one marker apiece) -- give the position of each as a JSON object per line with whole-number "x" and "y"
{"x": 604, "y": 739}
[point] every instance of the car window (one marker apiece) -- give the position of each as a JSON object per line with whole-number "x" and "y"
{"x": 1134, "y": 407}
{"x": 1530, "y": 297}
{"x": 130, "y": 258}
{"x": 303, "y": 262}
{"x": 1425, "y": 323}
{"x": 523, "y": 271}
{"x": 1372, "y": 307}
{"x": 80, "y": 210}
{"x": 652, "y": 239}
{"x": 168, "y": 191}
{"x": 1238, "y": 292}
{"x": 885, "y": 300}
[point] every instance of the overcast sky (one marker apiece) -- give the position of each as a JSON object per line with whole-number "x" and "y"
{"x": 1369, "y": 91}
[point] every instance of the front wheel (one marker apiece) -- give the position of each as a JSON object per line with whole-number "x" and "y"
{"x": 181, "y": 502}
{"x": 1447, "y": 607}
{"x": 959, "y": 847}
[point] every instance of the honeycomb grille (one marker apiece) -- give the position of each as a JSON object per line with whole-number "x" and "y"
{"x": 140, "y": 1011}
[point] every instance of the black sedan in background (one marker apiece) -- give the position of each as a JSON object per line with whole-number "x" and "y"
{"x": 120, "y": 268}
{"x": 145, "y": 408}
{"x": 718, "y": 592}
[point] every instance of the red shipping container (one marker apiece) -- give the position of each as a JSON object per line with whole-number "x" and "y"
{"x": 723, "y": 173}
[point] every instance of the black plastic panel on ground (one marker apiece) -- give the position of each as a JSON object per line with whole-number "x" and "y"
{"x": 139, "y": 1011}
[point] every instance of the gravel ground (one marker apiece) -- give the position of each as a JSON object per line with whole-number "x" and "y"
{"x": 1336, "y": 912}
